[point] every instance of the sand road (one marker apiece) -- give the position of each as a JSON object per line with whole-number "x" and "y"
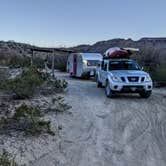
{"x": 125, "y": 131}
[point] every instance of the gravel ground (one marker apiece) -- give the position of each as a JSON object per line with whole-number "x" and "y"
{"x": 124, "y": 131}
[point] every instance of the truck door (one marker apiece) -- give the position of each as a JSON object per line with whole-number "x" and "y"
{"x": 103, "y": 74}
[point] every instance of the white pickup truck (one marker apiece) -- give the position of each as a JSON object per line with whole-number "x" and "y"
{"x": 123, "y": 75}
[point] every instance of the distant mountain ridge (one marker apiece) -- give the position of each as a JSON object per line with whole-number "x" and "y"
{"x": 102, "y": 46}
{"x": 22, "y": 49}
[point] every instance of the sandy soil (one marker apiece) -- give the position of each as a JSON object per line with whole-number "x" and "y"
{"x": 124, "y": 131}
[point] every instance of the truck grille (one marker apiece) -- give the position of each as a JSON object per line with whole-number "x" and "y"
{"x": 123, "y": 79}
{"x": 133, "y": 79}
{"x": 142, "y": 79}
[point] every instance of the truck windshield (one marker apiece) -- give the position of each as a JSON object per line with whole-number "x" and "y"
{"x": 123, "y": 65}
{"x": 92, "y": 62}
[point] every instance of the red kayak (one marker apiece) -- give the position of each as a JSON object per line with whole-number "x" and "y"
{"x": 117, "y": 52}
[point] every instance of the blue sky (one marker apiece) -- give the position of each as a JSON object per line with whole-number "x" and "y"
{"x": 73, "y": 22}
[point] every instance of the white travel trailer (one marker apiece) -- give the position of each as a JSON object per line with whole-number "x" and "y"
{"x": 83, "y": 64}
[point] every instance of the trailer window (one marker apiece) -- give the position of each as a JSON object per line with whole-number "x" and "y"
{"x": 92, "y": 62}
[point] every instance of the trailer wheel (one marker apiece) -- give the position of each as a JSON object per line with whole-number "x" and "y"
{"x": 88, "y": 77}
{"x": 108, "y": 91}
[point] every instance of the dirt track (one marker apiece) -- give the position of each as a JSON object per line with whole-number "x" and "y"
{"x": 125, "y": 131}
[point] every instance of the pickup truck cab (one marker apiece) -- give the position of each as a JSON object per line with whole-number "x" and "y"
{"x": 123, "y": 75}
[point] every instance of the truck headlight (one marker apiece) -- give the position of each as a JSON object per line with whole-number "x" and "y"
{"x": 114, "y": 78}
{"x": 148, "y": 79}
{"x": 85, "y": 62}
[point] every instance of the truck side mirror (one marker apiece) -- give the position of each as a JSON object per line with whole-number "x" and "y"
{"x": 142, "y": 68}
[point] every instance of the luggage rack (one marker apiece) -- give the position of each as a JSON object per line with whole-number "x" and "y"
{"x": 118, "y": 57}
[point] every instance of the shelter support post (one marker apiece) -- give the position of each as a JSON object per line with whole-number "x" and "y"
{"x": 53, "y": 64}
{"x": 32, "y": 59}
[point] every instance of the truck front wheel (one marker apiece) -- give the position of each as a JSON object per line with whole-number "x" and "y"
{"x": 108, "y": 91}
{"x": 145, "y": 94}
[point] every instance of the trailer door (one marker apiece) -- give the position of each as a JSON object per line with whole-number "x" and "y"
{"x": 75, "y": 65}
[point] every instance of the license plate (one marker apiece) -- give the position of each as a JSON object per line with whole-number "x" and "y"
{"x": 133, "y": 88}
{"x": 92, "y": 73}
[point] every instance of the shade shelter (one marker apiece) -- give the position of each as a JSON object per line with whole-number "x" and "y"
{"x": 48, "y": 50}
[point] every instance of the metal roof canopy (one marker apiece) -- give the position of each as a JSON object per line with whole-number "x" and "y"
{"x": 49, "y": 50}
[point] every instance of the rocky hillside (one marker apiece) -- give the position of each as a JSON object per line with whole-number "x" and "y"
{"x": 101, "y": 46}
{"x": 12, "y": 48}
{"x": 147, "y": 45}
{"x": 21, "y": 49}
{"x": 14, "y": 54}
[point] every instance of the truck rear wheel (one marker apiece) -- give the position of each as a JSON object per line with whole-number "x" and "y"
{"x": 108, "y": 91}
{"x": 145, "y": 94}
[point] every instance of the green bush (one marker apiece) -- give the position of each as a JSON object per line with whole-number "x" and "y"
{"x": 59, "y": 105}
{"x": 5, "y": 159}
{"x": 61, "y": 66}
{"x": 53, "y": 85}
{"x": 25, "y": 85}
{"x": 31, "y": 81}
{"x": 159, "y": 74}
{"x": 16, "y": 61}
{"x": 58, "y": 84}
{"x": 26, "y": 119}
{"x": 39, "y": 63}
{"x": 60, "y": 62}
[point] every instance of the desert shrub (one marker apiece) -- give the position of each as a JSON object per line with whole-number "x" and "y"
{"x": 59, "y": 105}
{"x": 53, "y": 85}
{"x": 4, "y": 73}
{"x": 39, "y": 63}
{"x": 61, "y": 66}
{"x": 159, "y": 74}
{"x": 31, "y": 81}
{"x": 5, "y": 159}
{"x": 26, "y": 119}
{"x": 150, "y": 59}
{"x": 58, "y": 84}
{"x": 25, "y": 85}
{"x": 60, "y": 62}
{"x": 16, "y": 61}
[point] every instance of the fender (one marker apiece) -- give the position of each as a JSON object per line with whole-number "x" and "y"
{"x": 98, "y": 75}
{"x": 108, "y": 79}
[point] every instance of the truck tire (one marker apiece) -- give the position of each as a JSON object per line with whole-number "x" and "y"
{"x": 108, "y": 91}
{"x": 145, "y": 94}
